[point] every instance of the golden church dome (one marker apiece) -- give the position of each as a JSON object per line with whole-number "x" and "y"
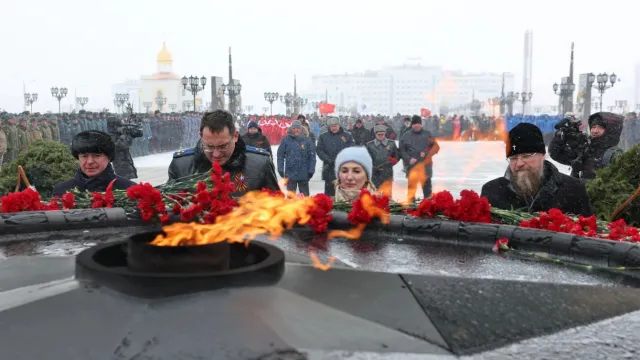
{"x": 164, "y": 55}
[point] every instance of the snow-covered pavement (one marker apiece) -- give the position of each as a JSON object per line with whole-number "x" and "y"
{"x": 458, "y": 166}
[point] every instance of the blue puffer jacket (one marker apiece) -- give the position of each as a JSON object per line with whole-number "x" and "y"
{"x": 296, "y": 158}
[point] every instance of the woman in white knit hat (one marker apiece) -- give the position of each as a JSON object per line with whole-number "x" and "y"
{"x": 353, "y": 168}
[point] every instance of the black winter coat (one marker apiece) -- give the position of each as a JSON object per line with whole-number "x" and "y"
{"x": 257, "y": 140}
{"x": 97, "y": 183}
{"x": 123, "y": 162}
{"x": 565, "y": 152}
{"x": 360, "y": 134}
{"x": 329, "y": 145}
{"x": 558, "y": 191}
{"x": 250, "y": 168}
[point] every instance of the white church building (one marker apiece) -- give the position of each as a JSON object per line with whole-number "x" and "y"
{"x": 162, "y": 90}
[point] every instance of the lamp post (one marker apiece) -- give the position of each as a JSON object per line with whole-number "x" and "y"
{"x": 271, "y": 97}
{"x": 601, "y": 82}
{"x": 493, "y": 103}
{"x": 59, "y": 94}
{"x": 160, "y": 101}
{"x": 566, "y": 90}
{"x": 248, "y": 109}
{"x": 121, "y": 98}
{"x": 82, "y": 101}
{"x": 509, "y": 100}
{"x": 147, "y": 105}
{"x": 194, "y": 85}
{"x": 30, "y": 99}
{"x": 300, "y": 102}
{"x": 524, "y": 97}
{"x": 173, "y": 107}
{"x": 186, "y": 104}
{"x": 232, "y": 90}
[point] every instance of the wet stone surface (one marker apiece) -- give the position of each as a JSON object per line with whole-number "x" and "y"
{"x": 373, "y": 255}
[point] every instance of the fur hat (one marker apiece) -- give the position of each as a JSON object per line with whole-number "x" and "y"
{"x": 93, "y": 141}
{"x": 356, "y": 154}
{"x": 379, "y": 128}
{"x": 333, "y": 121}
{"x": 525, "y": 138}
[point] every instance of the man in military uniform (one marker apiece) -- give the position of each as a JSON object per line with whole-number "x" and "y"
{"x": 248, "y": 167}
{"x": 45, "y": 129}
{"x": 23, "y": 137}
{"x": 3, "y": 145}
{"x": 53, "y": 125}
{"x": 11, "y": 131}
{"x": 34, "y": 132}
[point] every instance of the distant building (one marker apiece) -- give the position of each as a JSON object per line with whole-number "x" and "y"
{"x": 406, "y": 89}
{"x": 160, "y": 85}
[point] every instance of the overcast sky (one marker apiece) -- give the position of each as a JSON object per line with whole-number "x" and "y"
{"x": 89, "y": 45}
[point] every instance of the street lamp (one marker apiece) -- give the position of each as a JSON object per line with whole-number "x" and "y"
{"x": 173, "y": 106}
{"x": 147, "y": 105}
{"x": 232, "y": 90}
{"x": 186, "y": 104}
{"x": 510, "y": 99}
{"x": 248, "y": 109}
{"x": 121, "y": 98}
{"x": 496, "y": 101}
{"x": 59, "y": 94}
{"x": 82, "y": 101}
{"x": 300, "y": 102}
{"x": 524, "y": 98}
{"x": 600, "y": 83}
{"x": 566, "y": 90}
{"x": 271, "y": 97}
{"x": 194, "y": 85}
{"x": 287, "y": 99}
{"x": 160, "y": 101}
{"x": 30, "y": 99}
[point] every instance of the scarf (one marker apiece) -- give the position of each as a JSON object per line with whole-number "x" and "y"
{"x": 351, "y": 195}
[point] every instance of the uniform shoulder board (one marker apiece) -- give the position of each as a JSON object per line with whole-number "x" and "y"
{"x": 184, "y": 152}
{"x": 257, "y": 150}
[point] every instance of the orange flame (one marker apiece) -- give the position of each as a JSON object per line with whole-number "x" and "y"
{"x": 258, "y": 213}
{"x": 369, "y": 205}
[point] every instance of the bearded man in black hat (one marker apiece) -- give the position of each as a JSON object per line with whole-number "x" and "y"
{"x": 94, "y": 150}
{"x": 531, "y": 183}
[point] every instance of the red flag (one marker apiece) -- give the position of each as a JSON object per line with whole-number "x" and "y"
{"x": 326, "y": 108}
{"x": 425, "y": 112}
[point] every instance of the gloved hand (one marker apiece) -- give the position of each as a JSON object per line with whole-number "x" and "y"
{"x": 281, "y": 173}
{"x": 310, "y": 175}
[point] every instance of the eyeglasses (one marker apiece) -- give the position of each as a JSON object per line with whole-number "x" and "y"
{"x": 523, "y": 157}
{"x": 210, "y": 149}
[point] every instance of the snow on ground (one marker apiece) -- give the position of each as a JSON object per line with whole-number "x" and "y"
{"x": 458, "y": 166}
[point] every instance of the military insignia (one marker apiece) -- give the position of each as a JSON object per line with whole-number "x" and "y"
{"x": 302, "y": 146}
{"x": 344, "y": 139}
{"x": 240, "y": 184}
{"x": 388, "y": 148}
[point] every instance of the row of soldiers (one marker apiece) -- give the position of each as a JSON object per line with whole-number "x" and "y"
{"x": 161, "y": 132}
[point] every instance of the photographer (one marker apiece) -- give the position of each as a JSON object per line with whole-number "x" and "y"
{"x": 122, "y": 136}
{"x": 586, "y": 154}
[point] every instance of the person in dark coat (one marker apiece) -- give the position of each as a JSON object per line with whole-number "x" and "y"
{"x": 330, "y": 143}
{"x": 360, "y": 133}
{"x": 249, "y": 168}
{"x": 384, "y": 154}
{"x": 569, "y": 147}
{"x": 533, "y": 184}
{"x": 122, "y": 136}
{"x": 297, "y": 159}
{"x": 94, "y": 150}
{"x": 417, "y": 148}
{"x": 254, "y": 137}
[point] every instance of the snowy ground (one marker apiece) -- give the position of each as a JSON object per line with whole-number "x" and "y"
{"x": 458, "y": 166}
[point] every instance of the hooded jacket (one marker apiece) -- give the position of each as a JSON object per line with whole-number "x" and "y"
{"x": 593, "y": 157}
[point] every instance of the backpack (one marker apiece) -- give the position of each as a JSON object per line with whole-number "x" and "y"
{"x": 610, "y": 155}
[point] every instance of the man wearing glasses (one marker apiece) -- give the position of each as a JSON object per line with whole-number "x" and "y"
{"x": 531, "y": 183}
{"x": 250, "y": 168}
